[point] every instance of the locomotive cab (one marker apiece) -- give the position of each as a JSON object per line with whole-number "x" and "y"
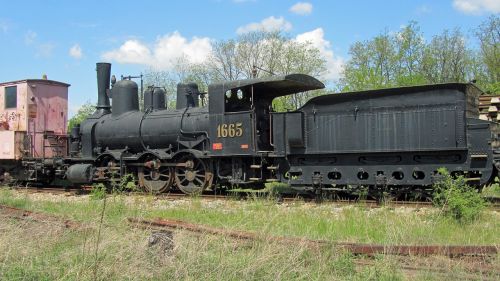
{"x": 240, "y": 112}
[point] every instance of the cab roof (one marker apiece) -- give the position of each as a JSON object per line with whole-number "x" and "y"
{"x": 270, "y": 87}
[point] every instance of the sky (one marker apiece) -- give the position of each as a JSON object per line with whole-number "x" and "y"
{"x": 64, "y": 39}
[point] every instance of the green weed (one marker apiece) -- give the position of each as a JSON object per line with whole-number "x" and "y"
{"x": 98, "y": 191}
{"x": 493, "y": 190}
{"x": 459, "y": 200}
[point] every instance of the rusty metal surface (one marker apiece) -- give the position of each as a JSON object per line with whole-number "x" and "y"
{"x": 413, "y": 250}
{"x": 18, "y": 213}
{"x": 354, "y": 248}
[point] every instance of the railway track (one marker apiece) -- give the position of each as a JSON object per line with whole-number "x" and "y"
{"x": 494, "y": 202}
{"x": 53, "y": 190}
{"x": 354, "y": 248}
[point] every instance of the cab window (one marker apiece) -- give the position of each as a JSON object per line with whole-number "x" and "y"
{"x": 236, "y": 100}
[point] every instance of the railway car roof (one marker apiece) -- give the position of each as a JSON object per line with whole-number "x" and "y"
{"x": 274, "y": 86}
{"x": 39, "y": 81}
{"x": 467, "y": 88}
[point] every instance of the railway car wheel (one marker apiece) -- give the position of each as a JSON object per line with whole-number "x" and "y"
{"x": 194, "y": 177}
{"x": 155, "y": 178}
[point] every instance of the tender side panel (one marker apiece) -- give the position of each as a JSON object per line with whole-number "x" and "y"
{"x": 422, "y": 121}
{"x": 386, "y": 129}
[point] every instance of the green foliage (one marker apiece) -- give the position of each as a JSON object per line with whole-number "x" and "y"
{"x": 98, "y": 191}
{"x": 276, "y": 188}
{"x": 459, "y": 200}
{"x": 488, "y": 34}
{"x": 83, "y": 112}
{"x": 127, "y": 183}
{"x": 404, "y": 58}
{"x": 492, "y": 190}
{"x": 6, "y": 198}
{"x": 385, "y": 61}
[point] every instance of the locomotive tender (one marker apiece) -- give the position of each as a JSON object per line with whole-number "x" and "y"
{"x": 395, "y": 139}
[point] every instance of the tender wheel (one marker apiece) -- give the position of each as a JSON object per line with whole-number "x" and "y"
{"x": 194, "y": 177}
{"x": 155, "y": 178}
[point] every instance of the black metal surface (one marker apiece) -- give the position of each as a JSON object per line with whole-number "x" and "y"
{"x": 427, "y": 120}
{"x": 187, "y": 95}
{"x": 148, "y": 98}
{"x": 80, "y": 173}
{"x": 125, "y": 97}
{"x": 103, "y": 76}
{"x": 154, "y": 99}
{"x": 159, "y": 99}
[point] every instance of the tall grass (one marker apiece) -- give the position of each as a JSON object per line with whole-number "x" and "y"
{"x": 40, "y": 251}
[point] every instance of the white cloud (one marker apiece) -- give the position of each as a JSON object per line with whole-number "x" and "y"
{"x": 76, "y": 51}
{"x": 317, "y": 39}
{"x": 30, "y": 37}
{"x": 476, "y": 7}
{"x": 164, "y": 53}
{"x": 302, "y": 8}
{"x": 268, "y": 24}
{"x": 45, "y": 50}
{"x": 132, "y": 51}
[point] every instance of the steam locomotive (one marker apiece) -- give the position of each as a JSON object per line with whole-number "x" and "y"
{"x": 395, "y": 139}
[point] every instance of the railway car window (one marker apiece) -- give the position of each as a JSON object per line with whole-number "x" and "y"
{"x": 11, "y": 97}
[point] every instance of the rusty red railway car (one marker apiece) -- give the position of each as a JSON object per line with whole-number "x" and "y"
{"x": 33, "y": 120}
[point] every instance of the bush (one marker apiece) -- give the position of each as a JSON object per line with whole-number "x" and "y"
{"x": 98, "y": 191}
{"x": 127, "y": 183}
{"x": 459, "y": 200}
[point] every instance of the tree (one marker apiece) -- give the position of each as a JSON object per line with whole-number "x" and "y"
{"x": 83, "y": 112}
{"x": 223, "y": 61}
{"x": 409, "y": 45}
{"x": 372, "y": 64}
{"x": 446, "y": 58}
{"x": 488, "y": 34}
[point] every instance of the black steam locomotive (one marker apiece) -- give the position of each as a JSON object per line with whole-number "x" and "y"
{"x": 395, "y": 138}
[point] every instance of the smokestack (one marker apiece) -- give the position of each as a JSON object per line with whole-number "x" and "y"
{"x": 103, "y": 75}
